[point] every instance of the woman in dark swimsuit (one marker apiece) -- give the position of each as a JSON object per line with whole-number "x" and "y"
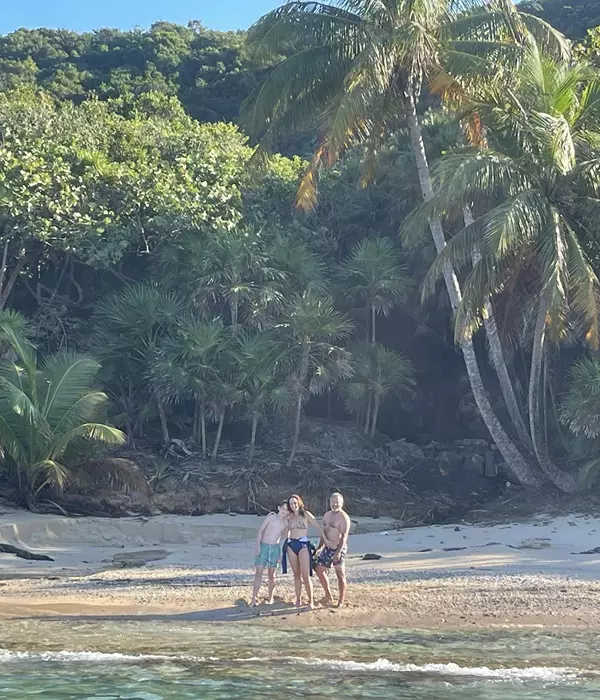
{"x": 297, "y": 547}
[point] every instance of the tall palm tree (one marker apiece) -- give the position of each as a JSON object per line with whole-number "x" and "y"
{"x": 357, "y": 67}
{"x": 311, "y": 328}
{"x": 532, "y": 189}
{"x": 375, "y": 275}
{"x": 130, "y": 325}
{"x": 46, "y": 407}
{"x": 378, "y": 374}
{"x": 262, "y": 366}
{"x": 186, "y": 366}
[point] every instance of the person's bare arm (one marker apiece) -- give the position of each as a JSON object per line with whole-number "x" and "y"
{"x": 343, "y": 540}
{"x": 261, "y": 531}
{"x": 311, "y": 519}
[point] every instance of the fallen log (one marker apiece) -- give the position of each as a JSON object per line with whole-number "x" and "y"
{"x": 23, "y": 553}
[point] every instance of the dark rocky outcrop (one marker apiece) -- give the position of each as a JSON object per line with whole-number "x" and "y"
{"x": 413, "y": 483}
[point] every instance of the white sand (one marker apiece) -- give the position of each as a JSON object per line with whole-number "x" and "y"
{"x": 224, "y": 543}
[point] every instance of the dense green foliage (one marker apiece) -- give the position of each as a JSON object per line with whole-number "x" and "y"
{"x": 572, "y": 17}
{"x": 47, "y": 407}
{"x": 139, "y": 228}
{"x": 207, "y": 70}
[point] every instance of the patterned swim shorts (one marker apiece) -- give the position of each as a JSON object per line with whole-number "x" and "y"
{"x": 269, "y": 555}
{"x": 325, "y": 557}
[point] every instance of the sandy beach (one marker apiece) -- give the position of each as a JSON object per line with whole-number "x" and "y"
{"x": 531, "y": 573}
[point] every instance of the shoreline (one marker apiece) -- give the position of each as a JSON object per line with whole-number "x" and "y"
{"x": 520, "y": 575}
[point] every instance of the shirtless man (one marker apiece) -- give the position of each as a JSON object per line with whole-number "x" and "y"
{"x": 268, "y": 551}
{"x": 336, "y": 525}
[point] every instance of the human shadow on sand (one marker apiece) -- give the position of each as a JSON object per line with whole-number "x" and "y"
{"x": 240, "y": 611}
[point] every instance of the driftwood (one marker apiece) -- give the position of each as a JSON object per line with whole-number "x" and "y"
{"x": 23, "y": 553}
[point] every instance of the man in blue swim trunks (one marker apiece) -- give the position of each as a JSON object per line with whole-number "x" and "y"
{"x": 268, "y": 550}
{"x": 336, "y": 525}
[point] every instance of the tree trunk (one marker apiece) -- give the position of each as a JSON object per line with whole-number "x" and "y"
{"x": 376, "y": 404}
{"x": 3, "y": 267}
{"x": 497, "y": 356}
{"x": 163, "y": 421}
{"x": 215, "y": 451}
{"x": 195, "y": 422}
{"x": 203, "y": 428}
{"x": 235, "y": 305}
{"x": 565, "y": 482}
{"x": 296, "y": 430}
{"x": 373, "y": 324}
{"x": 368, "y": 416}
{"x": 10, "y": 283}
{"x": 253, "y": 436}
{"x": 514, "y": 459}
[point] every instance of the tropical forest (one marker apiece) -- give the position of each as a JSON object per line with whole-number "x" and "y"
{"x": 354, "y": 247}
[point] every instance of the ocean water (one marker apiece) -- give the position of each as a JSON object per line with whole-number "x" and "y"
{"x": 170, "y": 660}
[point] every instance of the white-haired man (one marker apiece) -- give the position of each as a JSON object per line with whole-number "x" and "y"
{"x": 336, "y": 525}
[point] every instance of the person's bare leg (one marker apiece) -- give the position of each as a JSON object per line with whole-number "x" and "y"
{"x": 324, "y": 580}
{"x": 295, "y": 564}
{"x": 257, "y": 583}
{"x": 342, "y": 585}
{"x": 304, "y": 557}
{"x": 272, "y": 582}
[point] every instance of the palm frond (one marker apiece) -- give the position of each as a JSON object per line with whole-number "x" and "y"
{"x": 89, "y": 431}
{"x": 62, "y": 380}
{"x": 15, "y": 330}
{"x": 550, "y": 39}
{"x": 580, "y": 408}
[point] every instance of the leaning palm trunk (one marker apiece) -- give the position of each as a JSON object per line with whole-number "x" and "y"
{"x": 562, "y": 480}
{"x": 515, "y": 460}
{"x": 497, "y": 356}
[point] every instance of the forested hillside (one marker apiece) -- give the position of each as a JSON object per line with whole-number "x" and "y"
{"x": 572, "y": 17}
{"x": 427, "y": 269}
{"x": 207, "y": 70}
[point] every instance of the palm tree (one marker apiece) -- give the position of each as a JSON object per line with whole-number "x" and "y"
{"x": 224, "y": 394}
{"x": 261, "y": 366}
{"x": 375, "y": 275}
{"x": 311, "y": 329}
{"x": 236, "y": 271}
{"x": 580, "y": 409}
{"x": 186, "y": 366}
{"x": 378, "y": 374}
{"x": 129, "y": 327}
{"x": 47, "y": 407}
{"x": 356, "y": 67}
{"x": 532, "y": 189}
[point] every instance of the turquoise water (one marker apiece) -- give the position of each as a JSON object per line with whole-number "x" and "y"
{"x": 155, "y": 660}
